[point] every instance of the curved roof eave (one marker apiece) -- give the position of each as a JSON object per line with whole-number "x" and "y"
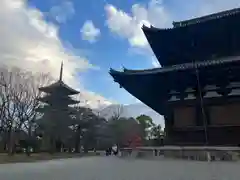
{"x": 154, "y": 29}
{"x": 134, "y": 90}
{"x": 178, "y": 67}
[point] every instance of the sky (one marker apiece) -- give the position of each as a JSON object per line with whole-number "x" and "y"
{"x": 90, "y": 37}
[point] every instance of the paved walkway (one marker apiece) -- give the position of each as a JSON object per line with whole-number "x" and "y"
{"x": 113, "y": 168}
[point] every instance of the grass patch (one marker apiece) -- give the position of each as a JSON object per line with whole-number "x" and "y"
{"x": 16, "y": 158}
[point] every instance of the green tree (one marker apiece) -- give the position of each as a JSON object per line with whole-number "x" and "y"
{"x": 146, "y": 123}
{"x": 156, "y": 131}
{"x": 86, "y": 124}
{"x": 157, "y": 135}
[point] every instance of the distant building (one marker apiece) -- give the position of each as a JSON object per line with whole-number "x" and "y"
{"x": 197, "y": 87}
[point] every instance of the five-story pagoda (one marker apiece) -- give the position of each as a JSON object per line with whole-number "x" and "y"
{"x": 56, "y": 119}
{"x": 197, "y": 87}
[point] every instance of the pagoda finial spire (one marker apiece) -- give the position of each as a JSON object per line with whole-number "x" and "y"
{"x": 61, "y": 72}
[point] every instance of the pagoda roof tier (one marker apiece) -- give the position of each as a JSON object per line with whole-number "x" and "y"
{"x": 154, "y": 86}
{"x": 58, "y": 100}
{"x": 207, "y": 37}
{"x": 47, "y": 108}
{"x": 59, "y": 86}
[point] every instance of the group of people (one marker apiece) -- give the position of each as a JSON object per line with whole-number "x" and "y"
{"x": 112, "y": 150}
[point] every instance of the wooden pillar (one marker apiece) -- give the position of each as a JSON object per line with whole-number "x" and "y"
{"x": 198, "y": 114}
{"x": 201, "y": 113}
{"x": 169, "y": 123}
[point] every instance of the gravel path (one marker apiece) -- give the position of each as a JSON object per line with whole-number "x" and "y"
{"x": 112, "y": 168}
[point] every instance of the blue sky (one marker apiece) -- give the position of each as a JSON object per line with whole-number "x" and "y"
{"x": 108, "y": 51}
{"x": 91, "y": 36}
{"x": 111, "y": 48}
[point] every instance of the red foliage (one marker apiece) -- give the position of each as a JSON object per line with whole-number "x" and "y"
{"x": 132, "y": 138}
{"x": 134, "y": 141}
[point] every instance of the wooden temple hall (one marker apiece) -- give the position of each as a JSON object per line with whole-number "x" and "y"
{"x": 197, "y": 87}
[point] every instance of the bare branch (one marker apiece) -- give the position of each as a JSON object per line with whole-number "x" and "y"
{"x": 118, "y": 112}
{"x": 18, "y": 99}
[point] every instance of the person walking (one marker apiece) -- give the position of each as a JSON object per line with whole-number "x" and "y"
{"x": 115, "y": 149}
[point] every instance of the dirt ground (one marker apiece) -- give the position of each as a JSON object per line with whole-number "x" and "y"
{"x": 114, "y": 168}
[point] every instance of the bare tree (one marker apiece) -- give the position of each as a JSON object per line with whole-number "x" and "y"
{"x": 18, "y": 102}
{"x": 27, "y": 101}
{"x": 118, "y": 112}
{"x": 8, "y": 93}
{"x": 3, "y": 103}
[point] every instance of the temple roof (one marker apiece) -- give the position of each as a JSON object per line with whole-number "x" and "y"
{"x": 154, "y": 86}
{"x": 207, "y": 37}
{"x": 59, "y": 86}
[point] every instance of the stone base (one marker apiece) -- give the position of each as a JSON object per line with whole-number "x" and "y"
{"x": 189, "y": 153}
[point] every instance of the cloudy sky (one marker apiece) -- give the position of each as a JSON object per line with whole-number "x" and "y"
{"x": 90, "y": 36}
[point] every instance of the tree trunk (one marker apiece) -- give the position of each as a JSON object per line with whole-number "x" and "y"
{"x": 28, "y": 153}
{"x": 77, "y": 144}
{"x": 28, "y": 146}
{"x": 52, "y": 146}
{"x": 10, "y": 142}
{"x": 29, "y": 141}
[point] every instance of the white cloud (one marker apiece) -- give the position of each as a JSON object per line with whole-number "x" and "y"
{"x": 158, "y": 14}
{"x": 93, "y": 100}
{"x": 63, "y": 11}
{"x": 29, "y": 42}
{"x": 89, "y": 32}
{"x": 129, "y": 25}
